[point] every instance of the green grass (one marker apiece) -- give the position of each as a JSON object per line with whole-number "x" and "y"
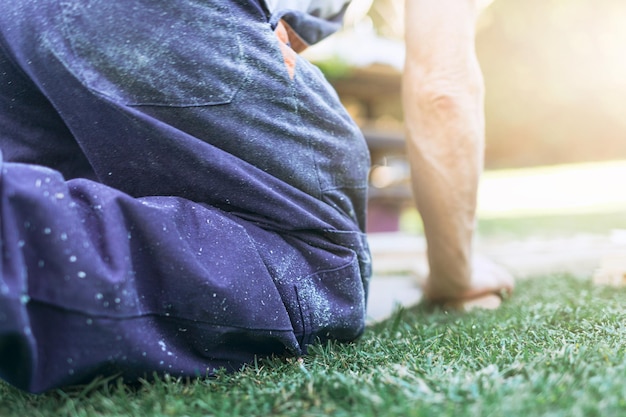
{"x": 552, "y": 225}
{"x": 555, "y": 349}
{"x": 542, "y": 226}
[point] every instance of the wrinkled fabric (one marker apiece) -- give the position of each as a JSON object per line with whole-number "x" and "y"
{"x": 320, "y": 8}
{"x": 310, "y": 20}
{"x": 172, "y": 200}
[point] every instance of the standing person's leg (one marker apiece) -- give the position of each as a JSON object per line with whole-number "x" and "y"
{"x": 256, "y": 246}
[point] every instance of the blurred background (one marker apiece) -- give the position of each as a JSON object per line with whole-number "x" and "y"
{"x": 555, "y": 74}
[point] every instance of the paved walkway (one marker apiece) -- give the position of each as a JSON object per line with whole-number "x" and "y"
{"x": 400, "y": 263}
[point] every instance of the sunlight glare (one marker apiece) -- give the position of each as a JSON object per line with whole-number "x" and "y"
{"x": 564, "y": 189}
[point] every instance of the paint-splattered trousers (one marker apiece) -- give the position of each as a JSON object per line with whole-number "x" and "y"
{"x": 179, "y": 193}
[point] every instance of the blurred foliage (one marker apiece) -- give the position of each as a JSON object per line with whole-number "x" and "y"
{"x": 555, "y": 72}
{"x": 388, "y": 18}
{"x": 335, "y": 68}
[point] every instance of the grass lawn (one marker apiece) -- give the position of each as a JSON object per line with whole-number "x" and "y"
{"x": 555, "y": 349}
{"x": 541, "y": 226}
{"x": 549, "y": 226}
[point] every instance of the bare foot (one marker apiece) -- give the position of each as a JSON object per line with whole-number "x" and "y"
{"x": 489, "y": 284}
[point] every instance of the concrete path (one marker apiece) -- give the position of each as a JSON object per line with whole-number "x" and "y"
{"x": 399, "y": 262}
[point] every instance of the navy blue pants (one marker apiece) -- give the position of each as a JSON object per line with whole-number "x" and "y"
{"x": 179, "y": 193}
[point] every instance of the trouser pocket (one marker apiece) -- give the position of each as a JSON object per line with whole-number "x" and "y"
{"x": 147, "y": 52}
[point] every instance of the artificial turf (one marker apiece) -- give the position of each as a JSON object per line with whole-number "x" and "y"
{"x": 556, "y": 348}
